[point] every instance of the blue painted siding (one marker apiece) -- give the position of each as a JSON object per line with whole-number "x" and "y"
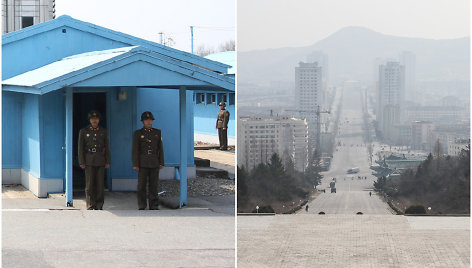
{"x": 52, "y": 134}
{"x": 47, "y": 47}
{"x": 30, "y": 133}
{"x": 207, "y": 111}
{"x": 12, "y": 104}
{"x": 164, "y": 105}
{"x": 139, "y": 73}
{"x": 122, "y": 121}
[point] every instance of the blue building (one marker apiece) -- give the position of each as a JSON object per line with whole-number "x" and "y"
{"x": 55, "y": 72}
{"x": 206, "y": 107}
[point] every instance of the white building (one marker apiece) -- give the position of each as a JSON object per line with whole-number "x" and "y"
{"x": 422, "y": 135}
{"x": 309, "y": 94}
{"x": 455, "y": 148}
{"x": 408, "y": 60}
{"x": 322, "y": 59}
{"x": 390, "y": 96}
{"x": 436, "y": 114}
{"x": 19, "y": 14}
{"x": 261, "y": 136}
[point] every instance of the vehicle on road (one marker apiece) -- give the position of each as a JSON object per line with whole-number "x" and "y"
{"x": 353, "y": 170}
{"x": 333, "y": 190}
{"x": 332, "y": 184}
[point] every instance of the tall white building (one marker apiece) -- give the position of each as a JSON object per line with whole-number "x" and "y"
{"x": 322, "y": 59}
{"x": 390, "y": 96}
{"x": 19, "y": 14}
{"x": 309, "y": 94}
{"x": 408, "y": 60}
{"x": 261, "y": 136}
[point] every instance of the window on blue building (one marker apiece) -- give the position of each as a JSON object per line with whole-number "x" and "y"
{"x": 26, "y": 22}
{"x": 199, "y": 98}
{"x": 231, "y": 100}
{"x": 221, "y": 97}
{"x": 211, "y": 98}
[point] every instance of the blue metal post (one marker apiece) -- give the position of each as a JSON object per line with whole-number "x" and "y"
{"x": 191, "y": 37}
{"x": 69, "y": 142}
{"x": 183, "y": 145}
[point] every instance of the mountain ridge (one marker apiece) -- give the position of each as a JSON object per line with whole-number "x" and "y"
{"x": 352, "y": 50}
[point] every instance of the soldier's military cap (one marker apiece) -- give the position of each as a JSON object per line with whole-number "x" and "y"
{"x": 222, "y": 103}
{"x": 93, "y": 114}
{"x": 147, "y": 115}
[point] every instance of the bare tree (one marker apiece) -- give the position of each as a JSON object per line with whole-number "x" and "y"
{"x": 228, "y": 46}
{"x": 203, "y": 51}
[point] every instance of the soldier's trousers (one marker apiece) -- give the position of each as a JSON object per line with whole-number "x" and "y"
{"x": 94, "y": 186}
{"x": 145, "y": 176}
{"x": 223, "y": 136}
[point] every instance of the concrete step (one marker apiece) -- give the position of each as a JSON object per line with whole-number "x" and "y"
{"x": 206, "y": 147}
{"x": 200, "y": 162}
{"x": 209, "y": 171}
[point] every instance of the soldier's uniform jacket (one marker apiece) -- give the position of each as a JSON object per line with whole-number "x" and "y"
{"x": 94, "y": 148}
{"x": 147, "y": 149}
{"x": 222, "y": 120}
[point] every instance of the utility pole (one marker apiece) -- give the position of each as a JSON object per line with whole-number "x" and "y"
{"x": 160, "y": 34}
{"x": 191, "y": 38}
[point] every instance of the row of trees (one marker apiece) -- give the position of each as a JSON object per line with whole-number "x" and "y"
{"x": 204, "y": 50}
{"x": 441, "y": 182}
{"x": 275, "y": 182}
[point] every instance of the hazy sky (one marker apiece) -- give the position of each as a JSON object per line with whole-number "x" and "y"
{"x": 215, "y": 19}
{"x": 280, "y": 23}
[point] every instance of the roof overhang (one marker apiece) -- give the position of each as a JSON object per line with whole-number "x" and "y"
{"x": 68, "y": 21}
{"x": 129, "y": 66}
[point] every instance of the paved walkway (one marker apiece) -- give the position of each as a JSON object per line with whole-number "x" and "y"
{"x": 353, "y": 241}
{"x": 42, "y": 232}
{"x": 117, "y": 238}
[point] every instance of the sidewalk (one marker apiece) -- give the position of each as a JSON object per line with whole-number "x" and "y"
{"x": 42, "y": 232}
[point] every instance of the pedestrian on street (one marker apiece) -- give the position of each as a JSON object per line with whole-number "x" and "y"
{"x": 148, "y": 159}
{"x": 94, "y": 157}
{"x": 306, "y": 208}
{"x": 370, "y": 193}
{"x": 222, "y": 126}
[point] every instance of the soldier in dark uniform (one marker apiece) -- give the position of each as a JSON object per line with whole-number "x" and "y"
{"x": 222, "y": 126}
{"x": 94, "y": 157}
{"x": 148, "y": 158}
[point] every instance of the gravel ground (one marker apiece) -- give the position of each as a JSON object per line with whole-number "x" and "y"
{"x": 206, "y": 186}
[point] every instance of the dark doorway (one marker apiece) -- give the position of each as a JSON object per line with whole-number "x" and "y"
{"x": 83, "y": 104}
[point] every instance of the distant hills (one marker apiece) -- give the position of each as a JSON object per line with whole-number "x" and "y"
{"x": 352, "y": 52}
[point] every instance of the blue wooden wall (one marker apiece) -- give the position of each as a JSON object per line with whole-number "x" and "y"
{"x": 122, "y": 121}
{"x": 52, "y": 134}
{"x": 206, "y": 113}
{"x": 30, "y": 135}
{"x": 164, "y": 105}
{"x": 12, "y": 109}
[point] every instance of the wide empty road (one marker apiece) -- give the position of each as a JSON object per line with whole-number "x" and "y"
{"x": 352, "y": 194}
